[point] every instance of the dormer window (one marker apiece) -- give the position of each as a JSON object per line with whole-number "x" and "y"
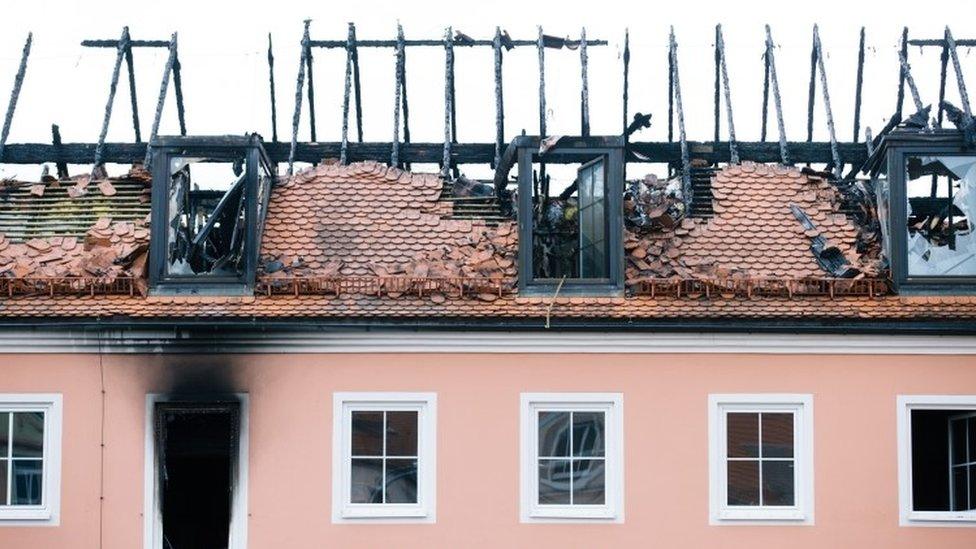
{"x": 209, "y": 200}
{"x": 927, "y": 205}
{"x": 570, "y": 222}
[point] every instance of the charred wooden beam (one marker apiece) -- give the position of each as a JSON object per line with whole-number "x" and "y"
{"x": 901, "y": 72}
{"x": 943, "y": 74}
{"x": 720, "y": 43}
{"x": 347, "y": 88}
{"x": 432, "y": 153}
{"x": 685, "y": 160}
{"x": 178, "y": 88}
{"x": 131, "y": 71}
{"x": 109, "y": 43}
{"x": 310, "y": 90}
{"x": 271, "y": 88}
{"x": 960, "y": 81}
{"x": 15, "y": 92}
{"x": 163, "y": 86}
{"x": 357, "y": 89}
{"x": 403, "y": 97}
{"x": 585, "y": 87}
{"x": 113, "y": 86}
{"x": 835, "y": 155}
{"x": 300, "y": 83}
{"x": 812, "y": 89}
{"x": 717, "y": 92}
{"x": 783, "y": 145}
{"x": 541, "y": 50}
{"x": 448, "y": 100}
{"x": 858, "y": 87}
{"x": 572, "y": 44}
{"x": 626, "y": 121}
{"x": 62, "y": 166}
{"x": 397, "y": 89}
{"x": 941, "y": 42}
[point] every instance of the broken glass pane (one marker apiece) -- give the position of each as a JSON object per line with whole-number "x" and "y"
{"x": 569, "y": 221}
{"x": 206, "y": 224}
{"x": 941, "y": 193}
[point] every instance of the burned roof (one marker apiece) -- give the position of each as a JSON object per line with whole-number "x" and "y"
{"x": 369, "y": 242}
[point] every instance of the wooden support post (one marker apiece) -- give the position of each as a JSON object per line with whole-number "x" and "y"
{"x": 944, "y": 62}
{"x": 113, "y": 86}
{"x": 130, "y": 69}
{"x": 685, "y": 160}
{"x": 907, "y": 69}
{"x": 271, "y": 88}
{"x": 300, "y": 83}
{"x": 310, "y": 89}
{"x": 670, "y": 96}
{"x": 716, "y": 93}
{"x": 812, "y": 91}
{"x": 62, "y": 166}
{"x": 347, "y": 87}
{"x": 397, "y": 88}
{"x": 835, "y": 155}
{"x": 448, "y": 98}
{"x": 858, "y": 87}
{"x": 178, "y": 88}
{"x": 541, "y": 51}
{"x": 499, "y": 99}
{"x": 403, "y": 96}
{"x": 957, "y": 68}
{"x": 623, "y": 128}
{"x": 765, "y": 99}
{"x": 901, "y": 73}
{"x": 784, "y": 152}
{"x": 163, "y": 86}
{"x": 15, "y": 92}
{"x": 585, "y": 87}
{"x": 720, "y": 41}
{"x": 357, "y": 91}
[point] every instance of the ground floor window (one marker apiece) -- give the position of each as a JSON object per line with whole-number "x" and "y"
{"x": 30, "y": 458}
{"x": 761, "y": 458}
{"x": 572, "y": 456}
{"x": 384, "y": 453}
{"x": 937, "y": 459}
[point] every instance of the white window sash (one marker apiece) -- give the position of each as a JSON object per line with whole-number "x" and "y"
{"x": 47, "y": 513}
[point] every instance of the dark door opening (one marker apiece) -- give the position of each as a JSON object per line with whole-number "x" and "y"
{"x": 197, "y": 463}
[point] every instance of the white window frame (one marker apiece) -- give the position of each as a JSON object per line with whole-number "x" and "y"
{"x": 49, "y": 512}
{"x": 801, "y": 513}
{"x": 907, "y": 516}
{"x": 612, "y": 405}
{"x": 424, "y": 511}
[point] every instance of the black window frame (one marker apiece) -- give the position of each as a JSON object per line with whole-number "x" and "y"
{"x": 219, "y": 149}
{"x": 572, "y": 150}
{"x": 898, "y": 147}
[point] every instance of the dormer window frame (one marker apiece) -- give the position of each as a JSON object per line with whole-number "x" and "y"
{"x": 256, "y": 190}
{"x": 570, "y": 150}
{"x": 898, "y": 147}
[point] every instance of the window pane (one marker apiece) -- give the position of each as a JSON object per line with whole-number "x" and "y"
{"x": 972, "y": 487}
{"x": 366, "y": 481}
{"x": 777, "y": 479}
{"x": 553, "y": 434}
{"x": 3, "y": 482}
{"x": 589, "y": 481}
{"x": 4, "y": 435}
{"x": 743, "y": 482}
{"x": 554, "y": 481}
{"x": 972, "y": 439}
{"x": 743, "y": 434}
{"x": 588, "y": 429}
{"x": 401, "y": 433}
{"x": 28, "y": 434}
{"x": 26, "y": 486}
{"x": 367, "y": 433}
{"x": 777, "y": 435}
{"x": 960, "y": 490}
{"x": 401, "y": 481}
{"x": 958, "y": 429}
{"x": 940, "y": 192}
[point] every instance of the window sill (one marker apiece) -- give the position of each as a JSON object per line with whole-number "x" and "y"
{"x": 384, "y": 514}
{"x": 560, "y": 514}
{"x": 752, "y": 517}
{"x": 27, "y": 516}
{"x": 940, "y": 518}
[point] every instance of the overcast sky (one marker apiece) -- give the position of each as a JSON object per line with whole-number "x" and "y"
{"x": 225, "y": 75}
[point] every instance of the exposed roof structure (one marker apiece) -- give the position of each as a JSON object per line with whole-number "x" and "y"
{"x": 367, "y": 241}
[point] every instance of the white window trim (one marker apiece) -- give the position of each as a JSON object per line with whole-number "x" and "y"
{"x": 49, "y": 512}
{"x": 906, "y": 515}
{"x": 424, "y": 511}
{"x": 720, "y": 513}
{"x": 152, "y": 532}
{"x": 612, "y": 404}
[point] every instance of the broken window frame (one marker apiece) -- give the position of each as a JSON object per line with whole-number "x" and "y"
{"x": 259, "y": 174}
{"x": 899, "y": 147}
{"x": 908, "y": 516}
{"x": 572, "y": 150}
{"x": 48, "y": 512}
{"x": 424, "y": 510}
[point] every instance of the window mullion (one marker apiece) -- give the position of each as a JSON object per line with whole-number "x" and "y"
{"x": 572, "y": 472}
{"x": 383, "y": 462}
{"x": 760, "y": 454}
{"x": 10, "y": 457}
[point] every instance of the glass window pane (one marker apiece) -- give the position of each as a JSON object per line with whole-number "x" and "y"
{"x": 401, "y": 481}
{"x": 777, "y": 480}
{"x": 366, "y": 481}
{"x": 589, "y": 482}
{"x": 941, "y": 194}
{"x": 960, "y": 490}
{"x": 367, "y": 433}
{"x": 554, "y": 481}
{"x": 553, "y": 434}
{"x": 26, "y": 486}
{"x": 743, "y": 482}
{"x": 588, "y": 429}
{"x": 777, "y": 435}
{"x": 4, "y": 435}
{"x": 743, "y": 434}
{"x": 972, "y": 439}
{"x": 401, "y": 433}
{"x": 28, "y": 434}
{"x": 957, "y": 427}
{"x": 972, "y": 487}
{"x": 3, "y": 482}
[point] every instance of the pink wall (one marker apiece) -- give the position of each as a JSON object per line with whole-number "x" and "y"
{"x": 665, "y": 403}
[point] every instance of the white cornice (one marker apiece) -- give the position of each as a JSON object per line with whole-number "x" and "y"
{"x": 111, "y": 341}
